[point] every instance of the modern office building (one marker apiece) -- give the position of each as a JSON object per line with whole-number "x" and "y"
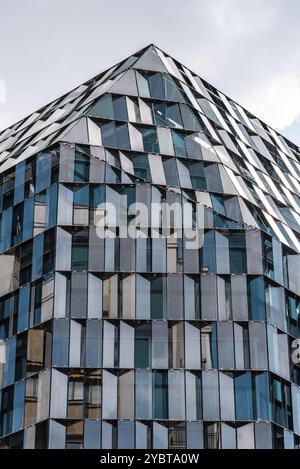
{"x": 141, "y": 339}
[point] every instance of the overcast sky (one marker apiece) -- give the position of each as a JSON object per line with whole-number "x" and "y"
{"x": 248, "y": 49}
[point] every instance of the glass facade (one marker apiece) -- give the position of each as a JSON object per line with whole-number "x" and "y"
{"x": 145, "y": 341}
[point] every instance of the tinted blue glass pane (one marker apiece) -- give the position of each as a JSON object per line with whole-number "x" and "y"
{"x": 5, "y": 309}
{"x": 81, "y": 196}
{"x": 25, "y": 262}
{"x": 112, "y": 175}
{"x": 80, "y": 250}
{"x": 160, "y": 113}
{"x": 256, "y": 297}
{"x": 214, "y": 346}
{"x": 97, "y": 196}
{"x": 52, "y": 197}
{"x": 48, "y": 259}
{"x": 209, "y": 252}
{"x": 19, "y": 182}
{"x": 82, "y": 167}
{"x": 197, "y": 175}
{"x": 6, "y": 411}
{"x": 278, "y": 402}
{"x": 120, "y": 108}
{"x": 150, "y": 140}
{"x": 156, "y": 86}
{"x": 6, "y": 227}
{"x": 193, "y": 148}
{"x": 173, "y": 115}
{"x": 93, "y": 353}
{"x": 18, "y": 412}
{"x": 23, "y": 308}
{"x": 172, "y": 92}
{"x": 9, "y": 367}
{"x": 60, "y": 353}
{"x": 157, "y": 298}
{"x": 141, "y": 353}
{"x": 160, "y": 396}
{"x": 268, "y": 257}
{"x": 142, "y": 346}
{"x": 243, "y": 397}
{"x": 115, "y": 135}
{"x": 43, "y": 171}
{"x": 122, "y": 136}
{"x": 213, "y": 179}
{"x": 237, "y": 253}
{"x": 17, "y": 223}
{"x": 141, "y": 167}
{"x": 8, "y": 190}
{"x": 37, "y": 256}
{"x": 109, "y": 137}
{"x": 167, "y": 114}
{"x": 171, "y": 173}
{"x": 262, "y": 397}
{"x": 218, "y": 204}
{"x": 37, "y": 302}
{"x": 125, "y": 434}
{"x": 179, "y": 144}
{"x": 92, "y": 434}
{"x": 28, "y": 218}
{"x": 103, "y": 108}
{"x": 293, "y": 307}
{"x": 190, "y": 122}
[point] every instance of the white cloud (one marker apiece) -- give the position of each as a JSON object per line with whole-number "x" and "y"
{"x": 2, "y": 91}
{"x": 277, "y": 101}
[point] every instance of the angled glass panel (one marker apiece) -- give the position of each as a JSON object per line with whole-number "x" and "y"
{"x": 43, "y": 171}
{"x": 262, "y": 397}
{"x": 120, "y": 108}
{"x": 143, "y": 390}
{"x": 103, "y": 107}
{"x": 160, "y": 395}
{"x": 243, "y": 397}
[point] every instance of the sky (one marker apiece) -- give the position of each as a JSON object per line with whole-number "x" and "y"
{"x": 248, "y": 50}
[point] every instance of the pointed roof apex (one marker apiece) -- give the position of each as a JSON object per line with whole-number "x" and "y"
{"x": 150, "y": 60}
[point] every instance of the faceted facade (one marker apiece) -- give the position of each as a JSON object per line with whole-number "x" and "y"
{"x": 144, "y": 342}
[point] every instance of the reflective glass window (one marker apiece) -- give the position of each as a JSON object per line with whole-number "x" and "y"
{"x": 160, "y": 395}
{"x": 156, "y": 86}
{"x": 125, "y": 435}
{"x": 150, "y": 140}
{"x": 93, "y": 344}
{"x": 60, "y": 353}
{"x": 158, "y": 300}
{"x": 208, "y": 252}
{"x": 103, "y": 107}
{"x": 179, "y": 143}
{"x": 211, "y": 402}
{"x": 80, "y": 250}
{"x": 262, "y": 397}
{"x": 120, "y": 108}
{"x": 256, "y": 296}
{"x": 142, "y": 346}
{"x": 115, "y": 135}
{"x": 19, "y": 182}
{"x": 82, "y": 167}
{"x": 243, "y": 397}
{"x": 43, "y": 171}
{"x": 92, "y": 434}
{"x": 23, "y": 308}
{"x": 237, "y": 253}
{"x": 28, "y": 218}
{"x": 209, "y": 347}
